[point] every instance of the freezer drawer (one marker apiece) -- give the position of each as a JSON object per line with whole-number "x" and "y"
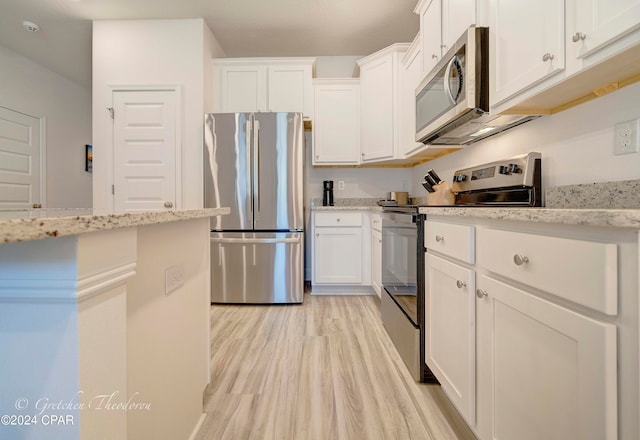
{"x": 257, "y": 268}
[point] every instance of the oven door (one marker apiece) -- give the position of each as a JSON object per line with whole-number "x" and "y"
{"x": 399, "y": 261}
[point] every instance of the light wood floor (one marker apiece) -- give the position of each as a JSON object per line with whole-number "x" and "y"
{"x": 322, "y": 370}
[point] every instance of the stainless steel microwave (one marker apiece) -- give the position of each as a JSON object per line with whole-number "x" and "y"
{"x": 452, "y": 102}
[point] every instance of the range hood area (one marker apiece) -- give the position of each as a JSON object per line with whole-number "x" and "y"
{"x": 475, "y": 126}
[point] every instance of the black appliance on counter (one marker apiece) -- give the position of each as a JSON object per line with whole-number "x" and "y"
{"x": 514, "y": 182}
{"x": 327, "y": 194}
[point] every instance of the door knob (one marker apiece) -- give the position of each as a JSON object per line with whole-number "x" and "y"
{"x": 168, "y": 204}
{"x": 480, "y": 293}
{"x": 439, "y": 238}
{"x": 547, "y": 57}
{"x": 461, "y": 284}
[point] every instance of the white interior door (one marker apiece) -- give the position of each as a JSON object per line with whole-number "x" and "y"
{"x": 20, "y": 160}
{"x": 144, "y": 150}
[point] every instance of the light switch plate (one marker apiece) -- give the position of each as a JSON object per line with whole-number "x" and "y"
{"x": 340, "y": 185}
{"x": 626, "y": 137}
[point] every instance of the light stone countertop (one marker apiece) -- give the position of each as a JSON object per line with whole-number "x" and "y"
{"x": 617, "y": 218}
{"x": 374, "y": 208}
{"x": 27, "y": 225}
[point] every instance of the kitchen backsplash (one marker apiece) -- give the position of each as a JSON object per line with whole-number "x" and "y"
{"x": 602, "y": 195}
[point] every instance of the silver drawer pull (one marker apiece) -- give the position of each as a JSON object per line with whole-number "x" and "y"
{"x": 520, "y": 260}
{"x": 168, "y": 204}
{"x": 547, "y": 57}
{"x": 439, "y": 238}
{"x": 480, "y": 293}
{"x": 337, "y": 219}
{"x": 461, "y": 284}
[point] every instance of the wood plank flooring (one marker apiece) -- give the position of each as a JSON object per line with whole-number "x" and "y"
{"x": 322, "y": 370}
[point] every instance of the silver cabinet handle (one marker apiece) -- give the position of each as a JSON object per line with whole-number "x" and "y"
{"x": 168, "y": 204}
{"x": 37, "y": 206}
{"x": 434, "y": 56}
{"x": 547, "y": 57}
{"x": 579, "y": 36}
{"x": 379, "y": 240}
{"x": 461, "y": 284}
{"x": 338, "y": 220}
{"x": 317, "y": 234}
{"x": 519, "y": 260}
{"x": 439, "y": 238}
{"x": 480, "y": 293}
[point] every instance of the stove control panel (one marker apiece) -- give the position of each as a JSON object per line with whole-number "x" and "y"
{"x": 514, "y": 172}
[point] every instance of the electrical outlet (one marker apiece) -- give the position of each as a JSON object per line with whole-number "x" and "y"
{"x": 627, "y": 140}
{"x": 174, "y": 278}
{"x": 341, "y": 185}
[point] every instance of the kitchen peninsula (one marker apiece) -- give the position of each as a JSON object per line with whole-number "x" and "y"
{"x": 104, "y": 323}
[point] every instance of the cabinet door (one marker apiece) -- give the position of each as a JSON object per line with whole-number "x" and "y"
{"x": 599, "y": 22}
{"x": 336, "y": 127}
{"x": 450, "y": 332}
{"x": 376, "y": 261}
{"x": 243, "y": 88}
{"x": 553, "y": 370}
{"x": 377, "y": 109}
{"x": 290, "y": 89}
{"x": 527, "y": 44}
{"x": 457, "y": 16}
{"x": 431, "y": 35}
{"x": 337, "y": 256}
{"x": 411, "y": 76}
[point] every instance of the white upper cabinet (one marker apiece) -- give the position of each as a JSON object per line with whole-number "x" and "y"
{"x": 336, "y": 125}
{"x": 527, "y": 44}
{"x": 290, "y": 88}
{"x": 442, "y": 22}
{"x": 380, "y": 103}
{"x": 264, "y": 84}
{"x": 411, "y": 76}
{"x": 243, "y": 88}
{"x": 599, "y": 22}
{"x": 547, "y": 54}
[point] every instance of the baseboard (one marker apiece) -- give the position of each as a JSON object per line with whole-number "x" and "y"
{"x": 196, "y": 429}
{"x": 341, "y": 290}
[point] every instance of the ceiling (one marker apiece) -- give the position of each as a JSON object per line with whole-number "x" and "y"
{"x": 242, "y": 27}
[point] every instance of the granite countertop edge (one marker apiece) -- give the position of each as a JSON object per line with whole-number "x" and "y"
{"x": 19, "y": 226}
{"x": 619, "y": 218}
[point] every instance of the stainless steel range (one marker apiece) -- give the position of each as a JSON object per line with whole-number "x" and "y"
{"x": 514, "y": 182}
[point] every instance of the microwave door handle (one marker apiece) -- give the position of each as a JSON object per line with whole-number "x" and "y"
{"x": 447, "y": 84}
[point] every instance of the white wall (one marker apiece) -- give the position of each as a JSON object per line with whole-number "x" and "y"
{"x": 27, "y": 87}
{"x": 152, "y": 52}
{"x": 576, "y": 145}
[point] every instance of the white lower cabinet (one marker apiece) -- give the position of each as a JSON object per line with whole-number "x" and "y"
{"x": 545, "y": 345}
{"x": 341, "y": 255}
{"x": 376, "y": 253}
{"x": 451, "y": 331}
{"x": 553, "y": 371}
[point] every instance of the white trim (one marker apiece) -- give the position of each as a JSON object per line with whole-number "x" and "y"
{"x": 179, "y": 96}
{"x": 199, "y": 424}
{"x": 93, "y": 285}
{"x": 64, "y": 291}
{"x": 43, "y": 161}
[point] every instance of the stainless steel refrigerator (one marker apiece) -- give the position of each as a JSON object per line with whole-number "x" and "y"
{"x": 254, "y": 164}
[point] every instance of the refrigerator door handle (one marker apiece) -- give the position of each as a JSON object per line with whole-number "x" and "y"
{"x": 256, "y": 167}
{"x": 294, "y": 239}
{"x": 247, "y": 133}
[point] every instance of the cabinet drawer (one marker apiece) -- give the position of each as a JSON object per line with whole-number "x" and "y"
{"x": 581, "y": 271}
{"x": 338, "y": 219}
{"x": 455, "y": 241}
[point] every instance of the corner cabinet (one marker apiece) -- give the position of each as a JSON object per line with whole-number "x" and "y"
{"x": 380, "y": 91}
{"x": 263, "y": 85}
{"x": 336, "y": 127}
